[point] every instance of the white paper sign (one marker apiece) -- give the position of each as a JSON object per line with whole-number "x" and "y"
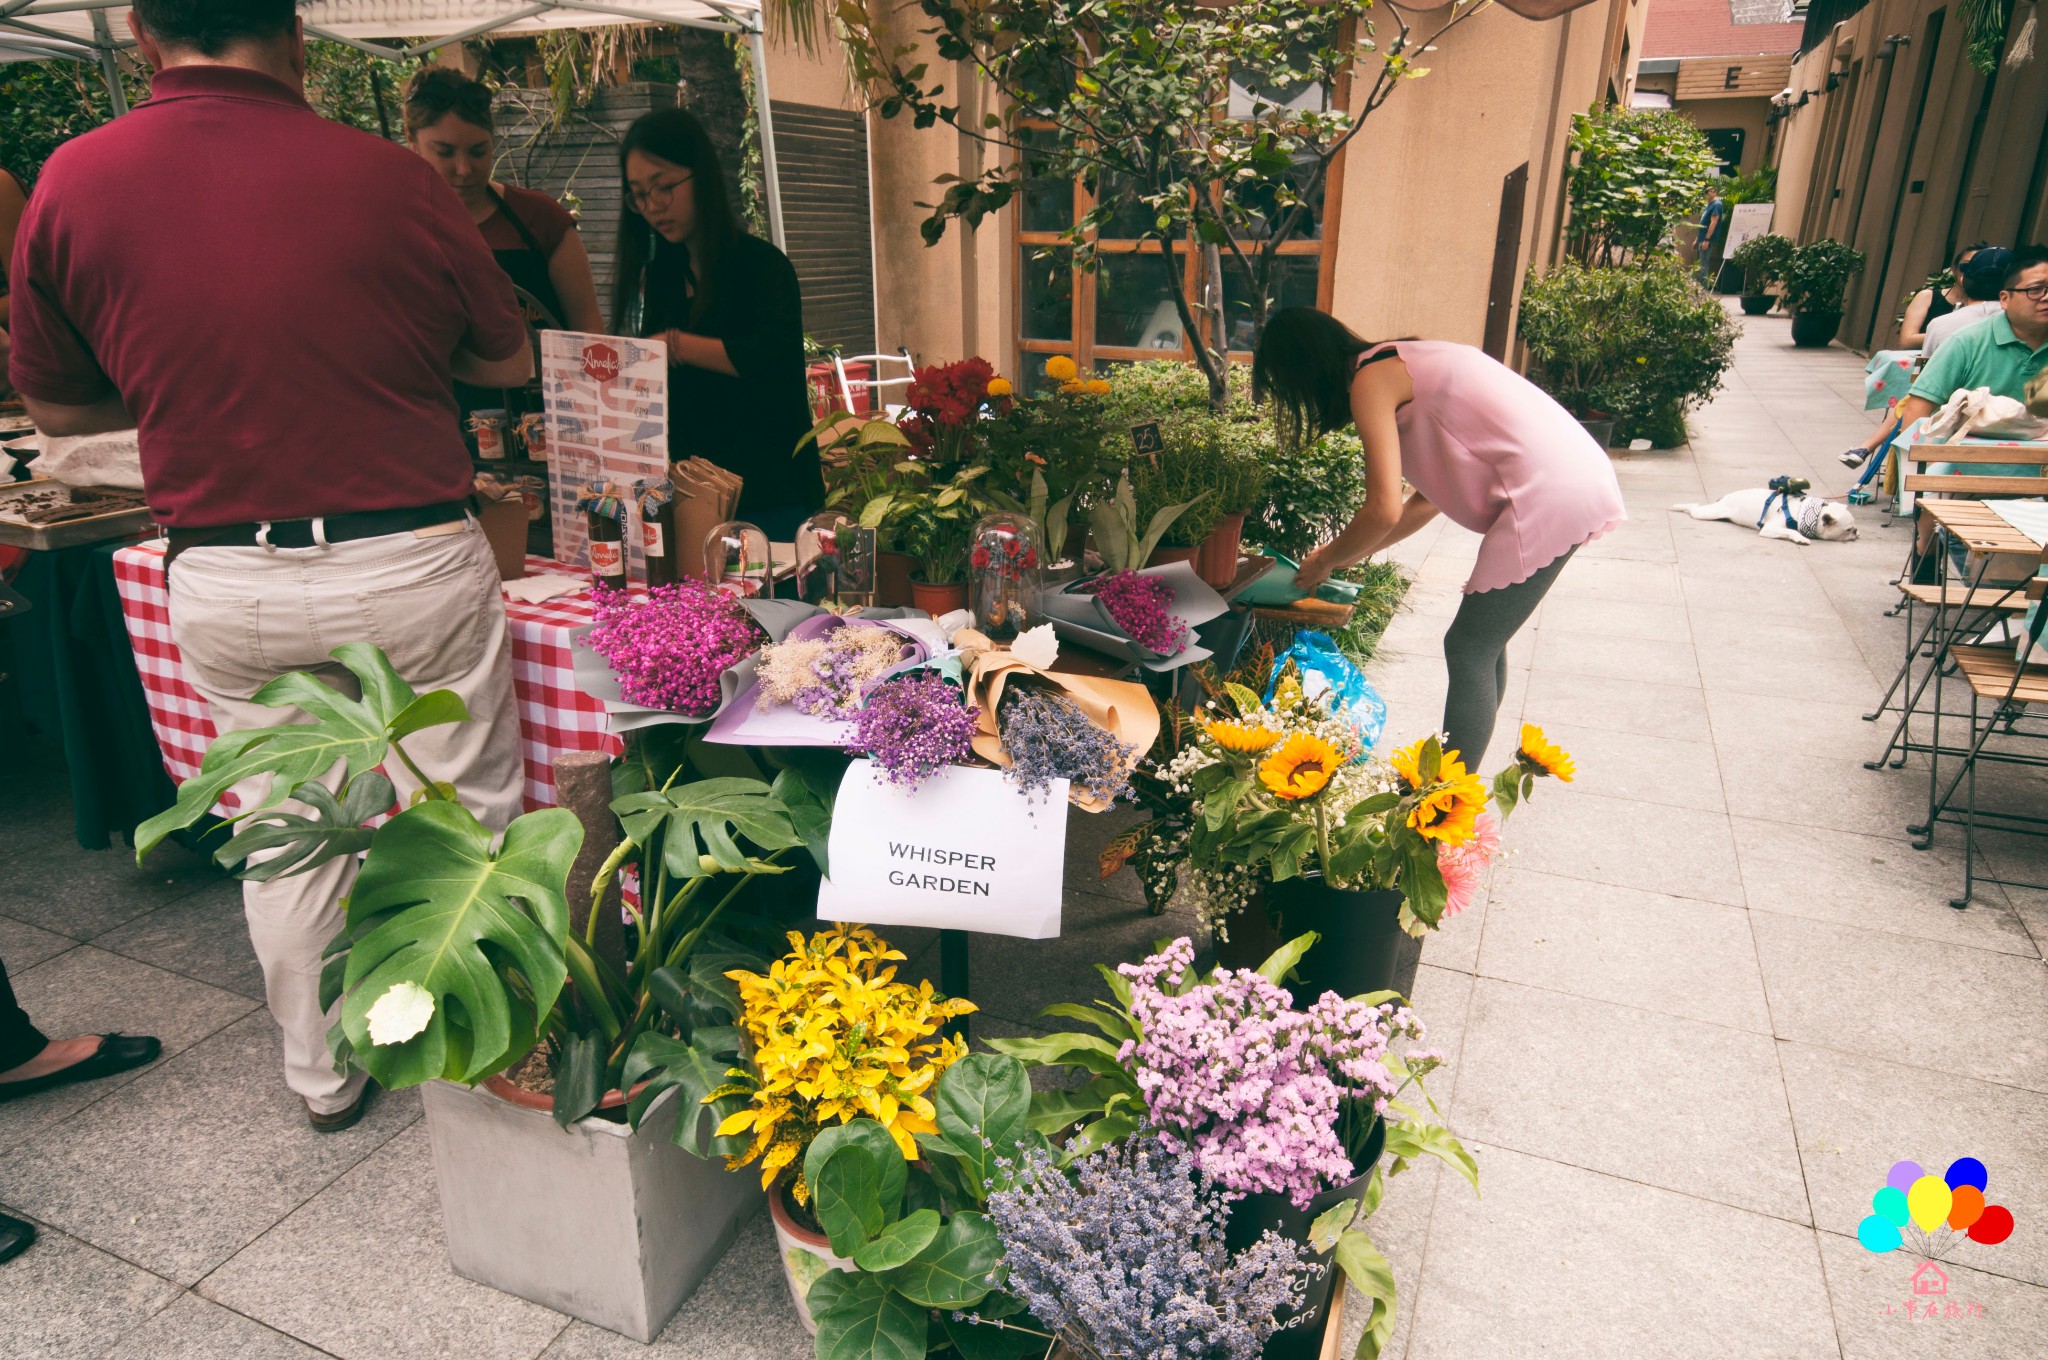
{"x": 963, "y": 851}
{"x": 1746, "y": 222}
{"x": 606, "y": 398}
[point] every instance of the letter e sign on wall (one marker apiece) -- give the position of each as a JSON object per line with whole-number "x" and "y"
{"x": 964, "y": 851}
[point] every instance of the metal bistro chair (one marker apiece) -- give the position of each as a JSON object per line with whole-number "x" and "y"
{"x": 875, "y": 386}
{"x": 2007, "y": 678}
{"x": 1954, "y": 611}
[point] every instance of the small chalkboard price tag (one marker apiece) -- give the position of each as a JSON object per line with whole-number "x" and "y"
{"x": 1148, "y": 441}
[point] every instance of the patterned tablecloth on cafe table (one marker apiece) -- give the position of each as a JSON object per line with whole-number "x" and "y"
{"x": 554, "y": 715}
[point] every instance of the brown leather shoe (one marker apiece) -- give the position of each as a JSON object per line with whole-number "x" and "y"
{"x": 344, "y": 1118}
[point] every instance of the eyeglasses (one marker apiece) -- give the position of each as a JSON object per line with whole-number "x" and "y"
{"x": 2037, "y": 293}
{"x": 654, "y": 195}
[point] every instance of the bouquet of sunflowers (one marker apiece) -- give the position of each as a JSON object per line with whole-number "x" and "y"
{"x": 834, "y": 1037}
{"x": 1255, "y": 791}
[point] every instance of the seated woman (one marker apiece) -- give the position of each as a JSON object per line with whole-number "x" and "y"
{"x": 726, "y": 305}
{"x": 448, "y": 122}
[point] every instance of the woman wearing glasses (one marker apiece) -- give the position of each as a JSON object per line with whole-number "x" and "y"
{"x": 448, "y": 122}
{"x": 727, "y": 307}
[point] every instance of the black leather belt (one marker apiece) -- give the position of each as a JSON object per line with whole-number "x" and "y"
{"x": 298, "y": 533}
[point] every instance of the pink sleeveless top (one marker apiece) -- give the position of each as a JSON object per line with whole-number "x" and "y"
{"x": 1497, "y": 456}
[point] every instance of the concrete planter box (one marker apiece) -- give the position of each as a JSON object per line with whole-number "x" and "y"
{"x": 608, "y": 1225}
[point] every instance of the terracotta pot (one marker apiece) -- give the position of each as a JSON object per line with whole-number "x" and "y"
{"x": 502, "y": 1087}
{"x": 937, "y": 600}
{"x": 1164, "y": 556}
{"x": 1363, "y": 948}
{"x": 793, "y": 1239}
{"x": 892, "y": 578}
{"x": 1256, "y": 1214}
{"x": 1216, "y": 558}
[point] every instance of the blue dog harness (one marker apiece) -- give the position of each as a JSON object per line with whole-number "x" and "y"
{"x": 1807, "y": 522}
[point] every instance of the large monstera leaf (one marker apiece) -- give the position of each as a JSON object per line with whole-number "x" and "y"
{"x": 437, "y": 917}
{"x": 700, "y": 823}
{"x": 353, "y": 733}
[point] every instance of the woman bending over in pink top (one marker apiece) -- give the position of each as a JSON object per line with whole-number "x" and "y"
{"x": 1479, "y": 444}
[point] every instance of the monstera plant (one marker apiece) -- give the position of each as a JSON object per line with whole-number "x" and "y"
{"x": 457, "y": 957}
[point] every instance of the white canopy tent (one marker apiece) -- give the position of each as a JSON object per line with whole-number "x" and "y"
{"x": 96, "y": 30}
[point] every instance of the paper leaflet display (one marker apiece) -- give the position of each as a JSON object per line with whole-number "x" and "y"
{"x": 963, "y": 851}
{"x": 1746, "y": 222}
{"x": 606, "y": 399}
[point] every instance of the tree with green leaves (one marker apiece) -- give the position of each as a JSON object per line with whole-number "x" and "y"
{"x": 1200, "y": 129}
{"x": 1636, "y": 175}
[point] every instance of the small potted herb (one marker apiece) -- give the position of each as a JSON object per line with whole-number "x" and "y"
{"x": 1815, "y": 281}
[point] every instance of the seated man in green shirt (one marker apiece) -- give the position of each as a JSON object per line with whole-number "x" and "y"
{"x": 2000, "y": 353}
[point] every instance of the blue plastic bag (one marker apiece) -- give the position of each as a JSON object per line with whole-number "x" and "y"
{"x": 1325, "y": 671}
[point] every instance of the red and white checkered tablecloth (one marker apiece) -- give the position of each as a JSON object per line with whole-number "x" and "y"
{"x": 554, "y": 715}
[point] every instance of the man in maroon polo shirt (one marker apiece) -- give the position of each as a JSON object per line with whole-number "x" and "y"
{"x": 278, "y": 304}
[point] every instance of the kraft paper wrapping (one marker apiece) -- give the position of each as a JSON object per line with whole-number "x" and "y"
{"x": 1120, "y": 707}
{"x": 706, "y": 496}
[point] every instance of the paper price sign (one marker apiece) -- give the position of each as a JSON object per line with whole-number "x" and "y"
{"x": 963, "y": 851}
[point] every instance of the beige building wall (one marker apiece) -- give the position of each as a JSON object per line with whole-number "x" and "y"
{"x": 1421, "y": 187}
{"x": 1912, "y": 153}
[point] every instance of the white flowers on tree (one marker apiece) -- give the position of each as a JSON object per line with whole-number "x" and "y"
{"x": 402, "y": 1012}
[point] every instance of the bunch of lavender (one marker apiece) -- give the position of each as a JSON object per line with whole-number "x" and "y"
{"x": 670, "y": 649}
{"x": 1048, "y": 737}
{"x": 827, "y": 676}
{"x": 1260, "y": 1092}
{"x": 1126, "y": 1260}
{"x": 1137, "y": 604}
{"x": 914, "y": 726}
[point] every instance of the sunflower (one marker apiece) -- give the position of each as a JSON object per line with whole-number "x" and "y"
{"x": 1407, "y": 764}
{"x": 1449, "y": 811}
{"x": 1060, "y": 368}
{"x": 1236, "y": 736}
{"x": 1300, "y": 768}
{"x": 1540, "y": 755}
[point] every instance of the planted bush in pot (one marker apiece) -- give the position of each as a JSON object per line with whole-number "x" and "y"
{"x": 1641, "y": 342}
{"x": 1763, "y": 261}
{"x": 1815, "y": 281}
{"x": 457, "y": 958}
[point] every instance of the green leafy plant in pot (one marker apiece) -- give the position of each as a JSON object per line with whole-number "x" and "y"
{"x": 1763, "y": 261}
{"x": 1122, "y": 543}
{"x": 934, "y": 523}
{"x": 1211, "y": 465}
{"x": 1815, "y": 281}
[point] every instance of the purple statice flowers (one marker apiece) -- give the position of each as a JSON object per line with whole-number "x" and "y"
{"x": 670, "y": 649}
{"x": 914, "y": 726}
{"x": 1125, "y": 1257}
{"x": 1048, "y": 737}
{"x": 1255, "y": 1088}
{"x": 1138, "y": 604}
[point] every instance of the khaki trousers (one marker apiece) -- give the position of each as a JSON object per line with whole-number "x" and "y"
{"x": 243, "y": 615}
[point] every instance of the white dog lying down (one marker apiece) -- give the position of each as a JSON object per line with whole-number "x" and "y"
{"x": 1811, "y": 517}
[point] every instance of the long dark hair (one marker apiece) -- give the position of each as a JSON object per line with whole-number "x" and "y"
{"x": 1304, "y": 365}
{"x": 675, "y": 136}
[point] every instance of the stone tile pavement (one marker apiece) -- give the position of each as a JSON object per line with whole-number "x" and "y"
{"x": 1712, "y": 996}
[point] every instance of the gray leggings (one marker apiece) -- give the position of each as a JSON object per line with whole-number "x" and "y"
{"x": 1476, "y": 652}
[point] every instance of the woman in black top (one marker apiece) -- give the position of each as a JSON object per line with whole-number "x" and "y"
{"x": 726, "y": 304}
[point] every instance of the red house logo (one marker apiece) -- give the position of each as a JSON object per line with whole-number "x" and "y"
{"x": 600, "y": 363}
{"x": 1930, "y": 1279}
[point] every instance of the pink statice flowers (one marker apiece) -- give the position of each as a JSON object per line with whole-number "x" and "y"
{"x": 1255, "y": 1088}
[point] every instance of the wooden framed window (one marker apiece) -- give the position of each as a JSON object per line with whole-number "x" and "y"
{"x": 1122, "y": 311}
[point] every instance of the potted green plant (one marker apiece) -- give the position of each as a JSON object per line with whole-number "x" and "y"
{"x": 1763, "y": 261}
{"x": 1636, "y": 343}
{"x": 462, "y": 954}
{"x": 1815, "y": 280}
{"x": 1212, "y": 465}
{"x": 864, "y": 460}
{"x": 934, "y": 522}
{"x": 1123, "y": 545}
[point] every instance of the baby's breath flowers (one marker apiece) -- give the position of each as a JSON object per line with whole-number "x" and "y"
{"x": 828, "y": 676}
{"x": 914, "y": 726}
{"x": 670, "y": 649}
{"x": 1138, "y": 605}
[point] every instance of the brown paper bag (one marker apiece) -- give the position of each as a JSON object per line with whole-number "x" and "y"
{"x": 1122, "y": 708}
{"x": 706, "y": 496}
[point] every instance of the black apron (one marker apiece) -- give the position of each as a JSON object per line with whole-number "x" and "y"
{"x": 527, "y": 267}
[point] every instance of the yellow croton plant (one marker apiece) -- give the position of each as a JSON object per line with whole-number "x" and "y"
{"x": 834, "y": 1037}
